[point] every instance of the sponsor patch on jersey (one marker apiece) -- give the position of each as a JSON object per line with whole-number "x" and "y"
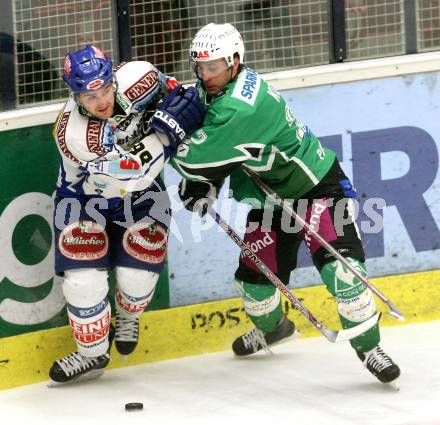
{"x": 61, "y": 137}
{"x": 146, "y": 242}
{"x": 123, "y": 167}
{"x": 122, "y": 103}
{"x": 94, "y": 136}
{"x": 143, "y": 86}
{"x": 129, "y": 164}
{"x": 247, "y": 87}
{"x": 83, "y": 241}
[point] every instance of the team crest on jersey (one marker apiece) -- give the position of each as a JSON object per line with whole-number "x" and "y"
{"x": 199, "y": 136}
{"x": 146, "y": 242}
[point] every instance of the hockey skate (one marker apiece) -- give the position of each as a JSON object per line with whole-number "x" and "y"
{"x": 256, "y": 340}
{"x": 381, "y": 366}
{"x": 78, "y": 368}
{"x": 127, "y": 333}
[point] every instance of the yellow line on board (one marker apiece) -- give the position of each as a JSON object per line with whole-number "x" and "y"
{"x": 209, "y": 327}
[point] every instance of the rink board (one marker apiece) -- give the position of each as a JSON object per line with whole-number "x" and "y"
{"x": 210, "y": 327}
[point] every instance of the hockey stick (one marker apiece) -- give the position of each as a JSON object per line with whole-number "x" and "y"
{"x": 331, "y": 335}
{"x": 286, "y": 207}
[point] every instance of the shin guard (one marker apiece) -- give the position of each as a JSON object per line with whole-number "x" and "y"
{"x": 134, "y": 290}
{"x": 355, "y": 302}
{"x": 262, "y": 303}
{"x": 88, "y": 310}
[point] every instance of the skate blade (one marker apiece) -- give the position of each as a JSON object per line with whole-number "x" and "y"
{"x": 395, "y": 385}
{"x": 89, "y": 376}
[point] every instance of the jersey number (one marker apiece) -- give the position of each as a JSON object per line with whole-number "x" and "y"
{"x": 140, "y": 150}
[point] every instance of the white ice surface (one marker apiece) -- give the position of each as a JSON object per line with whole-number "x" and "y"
{"x": 305, "y": 382}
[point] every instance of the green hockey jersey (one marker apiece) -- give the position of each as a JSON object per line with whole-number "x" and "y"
{"x": 252, "y": 124}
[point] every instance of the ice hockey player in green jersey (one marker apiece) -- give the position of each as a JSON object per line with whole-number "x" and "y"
{"x": 248, "y": 122}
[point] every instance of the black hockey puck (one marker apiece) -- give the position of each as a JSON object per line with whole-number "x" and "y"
{"x": 131, "y": 407}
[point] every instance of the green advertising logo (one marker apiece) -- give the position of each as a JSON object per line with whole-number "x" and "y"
{"x": 30, "y": 297}
{"x": 26, "y": 258}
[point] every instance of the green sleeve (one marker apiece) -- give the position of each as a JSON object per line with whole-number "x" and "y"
{"x": 215, "y": 150}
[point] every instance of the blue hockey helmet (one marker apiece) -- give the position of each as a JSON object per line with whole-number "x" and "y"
{"x": 87, "y": 69}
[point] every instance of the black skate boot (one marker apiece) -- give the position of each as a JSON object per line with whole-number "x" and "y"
{"x": 256, "y": 340}
{"x": 76, "y": 367}
{"x": 127, "y": 333}
{"x": 380, "y": 365}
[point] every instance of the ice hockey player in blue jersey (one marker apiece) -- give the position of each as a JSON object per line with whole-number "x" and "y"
{"x": 111, "y": 207}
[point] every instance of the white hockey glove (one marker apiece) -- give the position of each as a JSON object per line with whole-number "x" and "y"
{"x": 197, "y": 195}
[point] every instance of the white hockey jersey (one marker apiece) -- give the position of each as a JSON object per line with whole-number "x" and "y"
{"x": 96, "y": 156}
